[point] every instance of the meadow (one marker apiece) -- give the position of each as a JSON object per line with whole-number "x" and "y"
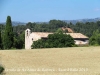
{"x": 52, "y": 61}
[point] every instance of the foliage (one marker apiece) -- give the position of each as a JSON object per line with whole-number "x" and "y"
{"x": 19, "y": 41}
{"x": 0, "y": 41}
{"x": 1, "y": 69}
{"x": 8, "y": 34}
{"x": 95, "y": 38}
{"x": 59, "y": 31}
{"x": 85, "y": 28}
{"x": 56, "y": 40}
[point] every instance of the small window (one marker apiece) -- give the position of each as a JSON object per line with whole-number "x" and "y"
{"x": 84, "y": 40}
{"x": 27, "y": 32}
{"x": 32, "y": 39}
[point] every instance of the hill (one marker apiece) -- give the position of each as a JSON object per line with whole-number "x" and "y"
{"x": 82, "y": 20}
{"x": 15, "y": 23}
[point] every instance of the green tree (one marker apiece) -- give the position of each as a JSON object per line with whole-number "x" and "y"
{"x": 19, "y": 41}
{"x": 0, "y": 41}
{"x": 59, "y": 31}
{"x": 8, "y": 34}
{"x": 56, "y": 40}
{"x": 95, "y": 38}
{"x": 61, "y": 40}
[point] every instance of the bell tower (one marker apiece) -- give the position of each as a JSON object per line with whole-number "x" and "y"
{"x": 27, "y": 38}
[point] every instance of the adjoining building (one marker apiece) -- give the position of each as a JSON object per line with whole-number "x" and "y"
{"x": 79, "y": 38}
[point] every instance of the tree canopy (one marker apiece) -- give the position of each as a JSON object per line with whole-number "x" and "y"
{"x": 13, "y": 36}
{"x": 56, "y": 40}
{"x": 95, "y": 38}
{"x": 0, "y": 41}
{"x": 8, "y": 34}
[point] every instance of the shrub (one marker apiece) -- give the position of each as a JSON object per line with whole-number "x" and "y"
{"x": 56, "y": 40}
{"x": 95, "y": 38}
{"x": 1, "y": 69}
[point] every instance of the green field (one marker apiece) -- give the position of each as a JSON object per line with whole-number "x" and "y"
{"x": 54, "y": 61}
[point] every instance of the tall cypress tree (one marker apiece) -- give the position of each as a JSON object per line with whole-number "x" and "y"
{"x": 8, "y": 34}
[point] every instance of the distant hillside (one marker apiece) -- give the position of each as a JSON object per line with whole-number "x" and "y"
{"x": 15, "y": 23}
{"x": 82, "y": 20}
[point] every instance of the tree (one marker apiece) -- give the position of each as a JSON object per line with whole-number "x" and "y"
{"x": 0, "y": 41}
{"x": 59, "y": 31}
{"x": 19, "y": 41}
{"x": 56, "y": 40}
{"x": 8, "y": 34}
{"x": 61, "y": 40}
{"x": 95, "y": 38}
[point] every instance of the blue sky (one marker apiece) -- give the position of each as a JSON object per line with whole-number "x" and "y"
{"x": 45, "y": 10}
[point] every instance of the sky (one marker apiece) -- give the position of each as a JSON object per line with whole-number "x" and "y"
{"x": 46, "y": 10}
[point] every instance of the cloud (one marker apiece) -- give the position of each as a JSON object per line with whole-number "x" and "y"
{"x": 97, "y": 9}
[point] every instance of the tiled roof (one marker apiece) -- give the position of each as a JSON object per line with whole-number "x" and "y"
{"x": 68, "y": 29}
{"x": 42, "y": 34}
{"x": 74, "y": 35}
{"x": 77, "y": 35}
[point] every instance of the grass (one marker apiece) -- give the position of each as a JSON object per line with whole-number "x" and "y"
{"x": 54, "y": 61}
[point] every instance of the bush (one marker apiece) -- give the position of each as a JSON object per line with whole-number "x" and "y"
{"x": 95, "y": 38}
{"x": 56, "y": 40}
{"x": 1, "y": 69}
